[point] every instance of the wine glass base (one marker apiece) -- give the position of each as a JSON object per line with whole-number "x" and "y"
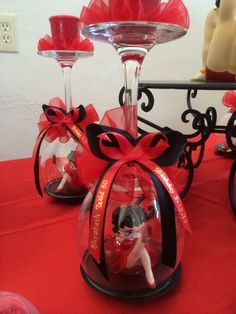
{"x": 134, "y": 33}
{"x": 221, "y": 150}
{"x": 163, "y": 288}
{"x": 132, "y": 40}
{"x": 51, "y": 190}
{"x": 70, "y": 56}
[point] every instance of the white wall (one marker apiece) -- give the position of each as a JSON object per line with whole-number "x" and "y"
{"x": 28, "y": 80}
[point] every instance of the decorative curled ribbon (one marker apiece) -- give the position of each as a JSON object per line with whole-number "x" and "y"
{"x": 62, "y": 125}
{"x": 229, "y": 100}
{"x": 121, "y": 149}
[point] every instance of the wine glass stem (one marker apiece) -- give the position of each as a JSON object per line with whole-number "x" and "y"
{"x": 131, "y": 79}
{"x": 66, "y": 70}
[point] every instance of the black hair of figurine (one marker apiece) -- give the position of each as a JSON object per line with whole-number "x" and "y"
{"x": 218, "y": 3}
{"x": 70, "y": 156}
{"x": 128, "y": 216}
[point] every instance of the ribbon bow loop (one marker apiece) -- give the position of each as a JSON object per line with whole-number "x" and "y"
{"x": 152, "y": 145}
{"x": 114, "y": 145}
{"x": 59, "y": 115}
{"x": 54, "y": 114}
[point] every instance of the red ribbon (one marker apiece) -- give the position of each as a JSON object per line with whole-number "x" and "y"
{"x": 229, "y": 100}
{"x": 54, "y": 120}
{"x": 55, "y": 123}
{"x": 60, "y": 125}
{"x": 148, "y": 148}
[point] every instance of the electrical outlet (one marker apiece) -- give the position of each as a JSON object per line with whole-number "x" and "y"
{"x": 5, "y": 26}
{"x": 8, "y": 33}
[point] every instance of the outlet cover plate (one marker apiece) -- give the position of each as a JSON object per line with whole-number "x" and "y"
{"x": 8, "y": 32}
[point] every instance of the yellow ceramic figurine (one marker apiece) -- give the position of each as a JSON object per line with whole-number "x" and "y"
{"x": 219, "y": 47}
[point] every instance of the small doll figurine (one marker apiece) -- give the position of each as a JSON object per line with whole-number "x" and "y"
{"x": 131, "y": 250}
{"x": 70, "y": 176}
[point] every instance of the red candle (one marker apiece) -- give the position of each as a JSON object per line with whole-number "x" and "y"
{"x": 66, "y": 27}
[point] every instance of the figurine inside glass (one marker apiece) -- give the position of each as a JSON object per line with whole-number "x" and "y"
{"x": 133, "y": 250}
{"x": 131, "y": 263}
{"x": 58, "y": 166}
{"x": 58, "y": 171}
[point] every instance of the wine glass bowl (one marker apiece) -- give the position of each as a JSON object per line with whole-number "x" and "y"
{"x": 55, "y": 164}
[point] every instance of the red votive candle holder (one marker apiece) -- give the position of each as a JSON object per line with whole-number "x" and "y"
{"x": 66, "y": 27}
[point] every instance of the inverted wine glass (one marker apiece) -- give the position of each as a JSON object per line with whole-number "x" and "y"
{"x": 133, "y": 210}
{"x": 58, "y": 162}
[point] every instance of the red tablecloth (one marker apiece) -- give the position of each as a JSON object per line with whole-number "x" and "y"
{"x": 39, "y": 255}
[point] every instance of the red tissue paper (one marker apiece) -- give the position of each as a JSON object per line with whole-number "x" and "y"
{"x": 47, "y": 43}
{"x": 172, "y": 11}
{"x": 229, "y": 100}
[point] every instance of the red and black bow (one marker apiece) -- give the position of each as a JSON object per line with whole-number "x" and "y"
{"x": 120, "y": 148}
{"x": 56, "y": 123}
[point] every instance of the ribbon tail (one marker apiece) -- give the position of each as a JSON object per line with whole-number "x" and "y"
{"x": 154, "y": 168}
{"x": 168, "y": 229}
{"x": 36, "y": 159}
{"x": 97, "y": 186}
{"x": 78, "y": 135}
{"x": 101, "y": 265}
{"x": 99, "y": 208}
{"x": 102, "y": 268}
{"x": 169, "y": 201}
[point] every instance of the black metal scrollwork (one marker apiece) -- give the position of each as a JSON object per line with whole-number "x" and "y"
{"x": 185, "y": 162}
{"x": 203, "y": 124}
{"x": 146, "y": 107}
{"x": 192, "y": 93}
